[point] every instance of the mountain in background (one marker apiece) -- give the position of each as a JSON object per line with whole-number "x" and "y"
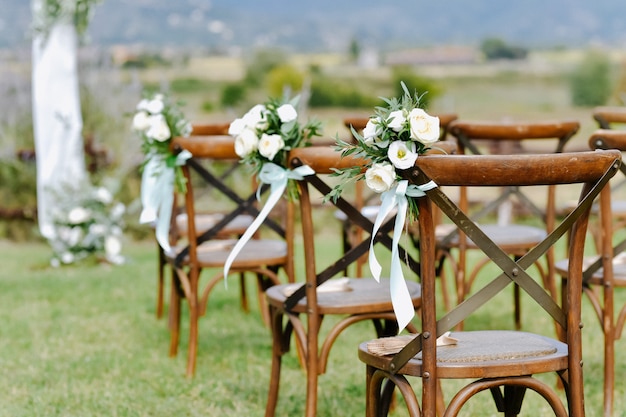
{"x": 330, "y": 25}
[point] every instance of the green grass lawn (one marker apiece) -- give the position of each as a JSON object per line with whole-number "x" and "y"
{"x": 84, "y": 341}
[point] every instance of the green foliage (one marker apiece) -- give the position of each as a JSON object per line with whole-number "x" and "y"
{"x": 261, "y": 64}
{"x": 426, "y": 88}
{"x": 328, "y": 92}
{"x": 496, "y": 48}
{"x": 590, "y": 83}
{"x": 188, "y": 85}
{"x": 232, "y": 94}
{"x": 282, "y": 79}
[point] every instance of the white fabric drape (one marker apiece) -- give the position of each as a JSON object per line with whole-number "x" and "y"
{"x": 57, "y": 120}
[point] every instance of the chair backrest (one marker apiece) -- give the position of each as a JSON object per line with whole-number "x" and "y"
{"x": 590, "y": 169}
{"x": 205, "y": 151}
{"x": 609, "y": 117}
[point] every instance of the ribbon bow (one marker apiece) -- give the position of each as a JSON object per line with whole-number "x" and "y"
{"x": 396, "y": 196}
{"x": 157, "y": 195}
{"x": 277, "y": 177}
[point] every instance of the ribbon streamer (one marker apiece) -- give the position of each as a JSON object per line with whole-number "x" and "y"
{"x": 157, "y": 195}
{"x": 277, "y": 177}
{"x": 396, "y": 197}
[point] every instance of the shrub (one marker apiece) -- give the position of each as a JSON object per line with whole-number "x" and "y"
{"x": 590, "y": 83}
{"x": 232, "y": 94}
{"x": 326, "y": 92}
{"x": 284, "y": 76}
{"x": 427, "y": 88}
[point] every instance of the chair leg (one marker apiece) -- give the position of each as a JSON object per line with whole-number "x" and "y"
{"x": 193, "y": 340}
{"x": 277, "y": 354}
{"x": 160, "y": 282}
{"x": 174, "y": 315}
{"x": 244, "y": 295}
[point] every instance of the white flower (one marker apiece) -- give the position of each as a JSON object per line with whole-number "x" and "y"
{"x": 396, "y": 120}
{"x": 236, "y": 127}
{"x": 78, "y": 215}
{"x": 118, "y": 210}
{"x": 156, "y": 105}
{"x": 287, "y": 113}
{"x": 402, "y": 154}
{"x": 67, "y": 258}
{"x": 380, "y": 177}
{"x": 424, "y": 127}
{"x": 143, "y": 105}
{"x": 112, "y": 246}
{"x": 141, "y": 121}
{"x": 269, "y": 145}
{"x": 103, "y": 195}
{"x": 97, "y": 229}
{"x": 159, "y": 130}
{"x": 246, "y": 142}
{"x": 370, "y": 131}
{"x": 255, "y": 117}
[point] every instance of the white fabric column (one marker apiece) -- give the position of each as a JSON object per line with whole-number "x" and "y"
{"x": 57, "y": 119}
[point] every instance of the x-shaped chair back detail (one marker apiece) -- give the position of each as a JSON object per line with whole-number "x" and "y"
{"x": 204, "y": 250}
{"x": 507, "y": 138}
{"x": 494, "y": 359}
{"x": 299, "y": 308}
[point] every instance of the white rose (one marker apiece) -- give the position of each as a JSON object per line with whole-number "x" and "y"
{"x": 255, "y": 117}
{"x": 286, "y": 113}
{"x": 103, "y": 195}
{"x": 141, "y": 121}
{"x": 246, "y": 143}
{"x": 424, "y": 127}
{"x": 78, "y": 215}
{"x": 269, "y": 145}
{"x": 143, "y": 105}
{"x": 380, "y": 177}
{"x": 236, "y": 127}
{"x": 155, "y": 106}
{"x": 370, "y": 131}
{"x": 159, "y": 130}
{"x": 396, "y": 120}
{"x": 402, "y": 154}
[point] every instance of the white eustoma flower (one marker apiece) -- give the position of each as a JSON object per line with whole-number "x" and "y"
{"x": 396, "y": 120}
{"x": 269, "y": 145}
{"x": 236, "y": 127}
{"x": 424, "y": 127}
{"x": 103, "y": 195}
{"x": 370, "y": 131}
{"x": 141, "y": 121}
{"x": 78, "y": 215}
{"x": 156, "y": 105}
{"x": 246, "y": 142}
{"x": 159, "y": 130}
{"x": 287, "y": 113}
{"x": 402, "y": 154}
{"x": 380, "y": 177}
{"x": 255, "y": 117}
{"x": 143, "y": 105}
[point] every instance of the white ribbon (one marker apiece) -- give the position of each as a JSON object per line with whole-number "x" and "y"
{"x": 277, "y": 177}
{"x": 157, "y": 195}
{"x": 400, "y": 297}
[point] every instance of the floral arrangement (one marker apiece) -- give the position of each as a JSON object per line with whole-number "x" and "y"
{"x": 157, "y": 120}
{"x": 267, "y": 132}
{"x": 390, "y": 142}
{"x": 88, "y": 223}
{"x": 50, "y": 12}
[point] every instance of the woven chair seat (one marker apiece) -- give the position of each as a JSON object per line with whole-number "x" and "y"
{"x": 512, "y": 234}
{"x": 205, "y": 221}
{"x": 254, "y": 253}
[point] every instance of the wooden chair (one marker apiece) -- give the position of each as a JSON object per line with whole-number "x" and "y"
{"x": 263, "y": 257}
{"x": 502, "y": 361}
{"x": 300, "y": 309}
{"x": 610, "y": 117}
{"x": 203, "y": 221}
{"x": 606, "y": 272}
{"x": 502, "y": 138}
{"x": 350, "y": 233}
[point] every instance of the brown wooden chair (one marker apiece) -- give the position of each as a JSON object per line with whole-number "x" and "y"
{"x": 502, "y": 138}
{"x": 201, "y": 250}
{"x": 501, "y": 361}
{"x": 369, "y": 204}
{"x": 299, "y": 309}
{"x": 203, "y": 221}
{"x": 606, "y": 272}
{"x": 610, "y": 117}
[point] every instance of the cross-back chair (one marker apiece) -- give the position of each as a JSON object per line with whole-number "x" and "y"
{"x": 364, "y": 202}
{"x": 610, "y": 117}
{"x": 299, "y": 309}
{"x": 203, "y": 250}
{"x": 203, "y": 221}
{"x": 606, "y": 272}
{"x": 501, "y": 138}
{"x": 501, "y": 361}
